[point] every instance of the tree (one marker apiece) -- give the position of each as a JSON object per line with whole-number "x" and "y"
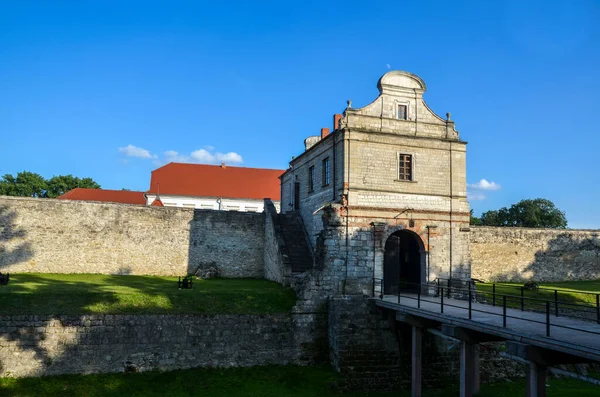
{"x": 59, "y": 185}
{"x": 527, "y": 213}
{"x": 25, "y": 184}
{"x": 29, "y": 184}
{"x": 490, "y": 218}
{"x": 474, "y": 220}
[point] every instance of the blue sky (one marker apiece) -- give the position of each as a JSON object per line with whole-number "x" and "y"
{"x": 81, "y": 81}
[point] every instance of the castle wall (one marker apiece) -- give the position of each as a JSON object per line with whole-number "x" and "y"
{"x": 61, "y": 236}
{"x": 276, "y": 266}
{"x": 519, "y": 254}
{"x": 47, "y": 345}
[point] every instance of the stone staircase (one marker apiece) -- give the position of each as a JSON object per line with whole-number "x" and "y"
{"x": 297, "y": 249}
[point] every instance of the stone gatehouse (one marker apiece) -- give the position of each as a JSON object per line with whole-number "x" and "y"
{"x": 383, "y": 196}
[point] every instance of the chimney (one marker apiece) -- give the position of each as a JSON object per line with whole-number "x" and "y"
{"x": 311, "y": 141}
{"x": 336, "y": 121}
{"x": 324, "y": 132}
{"x": 223, "y": 165}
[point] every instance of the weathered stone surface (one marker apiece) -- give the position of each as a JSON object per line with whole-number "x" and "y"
{"x": 277, "y": 265}
{"x": 521, "y": 254}
{"x": 60, "y": 236}
{"x": 46, "y": 345}
{"x": 363, "y": 346}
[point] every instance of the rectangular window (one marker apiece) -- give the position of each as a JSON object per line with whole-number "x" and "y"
{"x": 325, "y": 169}
{"x": 311, "y": 179}
{"x": 402, "y": 112}
{"x": 405, "y": 167}
{"x": 251, "y": 209}
{"x": 189, "y": 205}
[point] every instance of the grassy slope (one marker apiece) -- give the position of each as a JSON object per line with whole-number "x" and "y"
{"x": 290, "y": 381}
{"x": 93, "y": 293}
{"x": 580, "y": 292}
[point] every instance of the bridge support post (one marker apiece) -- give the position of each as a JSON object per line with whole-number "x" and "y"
{"x": 468, "y": 369}
{"x": 477, "y": 372}
{"x": 416, "y": 364}
{"x": 536, "y": 380}
{"x": 469, "y": 356}
{"x": 539, "y": 360}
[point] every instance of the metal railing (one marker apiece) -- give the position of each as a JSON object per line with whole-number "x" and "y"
{"x": 564, "y": 301}
{"x": 448, "y": 291}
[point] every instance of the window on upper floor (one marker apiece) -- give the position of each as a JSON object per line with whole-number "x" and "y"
{"x": 402, "y": 112}
{"x": 311, "y": 179}
{"x": 405, "y": 167}
{"x": 325, "y": 170}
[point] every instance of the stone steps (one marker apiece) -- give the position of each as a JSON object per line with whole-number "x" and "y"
{"x": 296, "y": 246}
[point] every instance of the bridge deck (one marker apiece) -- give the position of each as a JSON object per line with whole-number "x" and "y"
{"x": 581, "y": 339}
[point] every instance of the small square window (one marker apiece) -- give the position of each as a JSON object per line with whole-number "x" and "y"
{"x": 405, "y": 167}
{"x": 402, "y": 112}
{"x": 325, "y": 169}
{"x": 311, "y": 179}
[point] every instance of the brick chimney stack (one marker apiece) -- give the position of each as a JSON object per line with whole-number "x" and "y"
{"x": 324, "y": 132}
{"x": 336, "y": 121}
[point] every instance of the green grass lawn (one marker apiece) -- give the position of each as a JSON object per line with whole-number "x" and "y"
{"x": 271, "y": 381}
{"x": 94, "y": 293}
{"x": 580, "y": 292}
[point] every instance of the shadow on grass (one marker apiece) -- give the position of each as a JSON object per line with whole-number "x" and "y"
{"x": 266, "y": 381}
{"x": 566, "y": 260}
{"x": 65, "y": 294}
{"x": 49, "y": 314}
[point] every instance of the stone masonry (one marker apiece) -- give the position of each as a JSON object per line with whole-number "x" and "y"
{"x": 522, "y": 254}
{"x": 60, "y": 236}
{"x": 350, "y": 219}
{"x": 47, "y": 345}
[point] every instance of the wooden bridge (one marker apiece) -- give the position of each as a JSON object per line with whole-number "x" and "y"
{"x": 542, "y": 339}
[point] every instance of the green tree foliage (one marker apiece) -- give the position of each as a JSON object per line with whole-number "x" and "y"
{"x": 59, "y": 185}
{"x": 474, "y": 220}
{"x": 527, "y": 213}
{"x": 29, "y": 184}
{"x": 25, "y": 184}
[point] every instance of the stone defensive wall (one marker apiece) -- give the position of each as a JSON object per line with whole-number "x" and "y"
{"x": 61, "y": 236}
{"x": 49, "y": 345}
{"x": 520, "y": 254}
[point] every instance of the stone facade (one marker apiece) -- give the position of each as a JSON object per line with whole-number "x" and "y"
{"x": 363, "y": 346}
{"x": 368, "y": 200}
{"x": 520, "y": 254}
{"x": 277, "y": 267}
{"x": 46, "y": 345}
{"x": 60, "y": 236}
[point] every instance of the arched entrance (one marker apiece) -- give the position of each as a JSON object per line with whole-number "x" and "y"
{"x": 402, "y": 267}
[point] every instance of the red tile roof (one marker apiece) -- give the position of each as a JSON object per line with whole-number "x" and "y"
{"x": 157, "y": 202}
{"x": 110, "y": 196}
{"x": 201, "y": 180}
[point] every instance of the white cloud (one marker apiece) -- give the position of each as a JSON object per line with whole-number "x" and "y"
{"x": 475, "y": 196}
{"x": 134, "y": 151}
{"x": 484, "y": 185}
{"x": 203, "y": 156}
{"x": 206, "y": 155}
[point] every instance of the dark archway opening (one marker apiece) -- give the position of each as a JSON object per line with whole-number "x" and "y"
{"x": 402, "y": 263}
